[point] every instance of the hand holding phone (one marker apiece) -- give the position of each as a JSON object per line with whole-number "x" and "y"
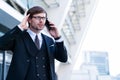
{"x": 52, "y": 29}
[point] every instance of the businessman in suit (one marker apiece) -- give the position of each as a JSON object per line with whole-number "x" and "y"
{"x": 33, "y": 51}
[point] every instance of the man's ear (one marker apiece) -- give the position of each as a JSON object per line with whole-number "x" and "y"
{"x": 29, "y": 21}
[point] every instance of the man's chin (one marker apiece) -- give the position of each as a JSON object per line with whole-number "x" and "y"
{"x": 40, "y": 28}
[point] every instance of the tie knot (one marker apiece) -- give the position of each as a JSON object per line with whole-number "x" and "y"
{"x": 37, "y": 41}
{"x": 36, "y": 37}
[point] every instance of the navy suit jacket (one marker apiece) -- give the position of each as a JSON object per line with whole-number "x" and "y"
{"x": 23, "y": 47}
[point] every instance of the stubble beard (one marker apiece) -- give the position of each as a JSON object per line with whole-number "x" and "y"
{"x": 35, "y": 29}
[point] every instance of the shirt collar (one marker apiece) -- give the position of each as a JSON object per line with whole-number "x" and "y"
{"x": 32, "y": 34}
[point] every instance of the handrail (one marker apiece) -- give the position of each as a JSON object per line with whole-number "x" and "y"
{"x": 3, "y": 65}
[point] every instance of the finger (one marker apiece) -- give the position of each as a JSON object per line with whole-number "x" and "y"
{"x": 28, "y": 15}
{"x": 25, "y": 19}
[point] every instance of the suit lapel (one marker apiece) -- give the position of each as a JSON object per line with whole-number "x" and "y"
{"x": 49, "y": 44}
{"x": 47, "y": 40}
{"x": 30, "y": 45}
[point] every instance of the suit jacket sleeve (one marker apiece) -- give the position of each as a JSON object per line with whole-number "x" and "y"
{"x": 61, "y": 52}
{"x": 8, "y": 39}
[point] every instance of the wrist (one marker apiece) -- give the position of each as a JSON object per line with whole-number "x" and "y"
{"x": 57, "y": 38}
{"x": 20, "y": 28}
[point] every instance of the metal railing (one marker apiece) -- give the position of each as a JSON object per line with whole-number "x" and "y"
{"x": 2, "y": 65}
{"x": 4, "y": 62}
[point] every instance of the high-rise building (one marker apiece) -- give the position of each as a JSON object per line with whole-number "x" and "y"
{"x": 99, "y": 59}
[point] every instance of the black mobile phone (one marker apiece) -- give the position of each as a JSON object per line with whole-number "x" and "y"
{"x": 47, "y": 24}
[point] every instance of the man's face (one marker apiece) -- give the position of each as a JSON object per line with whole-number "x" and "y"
{"x": 37, "y": 21}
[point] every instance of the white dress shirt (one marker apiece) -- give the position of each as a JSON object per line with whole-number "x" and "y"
{"x": 32, "y": 35}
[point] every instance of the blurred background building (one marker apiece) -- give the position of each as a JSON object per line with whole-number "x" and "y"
{"x": 72, "y": 17}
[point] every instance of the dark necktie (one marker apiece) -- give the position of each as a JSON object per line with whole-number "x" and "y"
{"x": 37, "y": 42}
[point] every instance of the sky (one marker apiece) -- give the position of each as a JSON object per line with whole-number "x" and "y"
{"x": 104, "y": 33}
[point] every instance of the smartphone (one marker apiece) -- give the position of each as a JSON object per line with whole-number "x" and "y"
{"x": 47, "y": 24}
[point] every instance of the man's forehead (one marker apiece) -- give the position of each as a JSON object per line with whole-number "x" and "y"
{"x": 40, "y": 14}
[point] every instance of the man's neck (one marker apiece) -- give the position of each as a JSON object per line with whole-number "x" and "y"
{"x": 35, "y": 30}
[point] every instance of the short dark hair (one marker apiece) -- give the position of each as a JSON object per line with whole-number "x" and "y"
{"x": 36, "y": 10}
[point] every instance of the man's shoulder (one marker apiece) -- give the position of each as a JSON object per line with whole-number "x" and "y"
{"x": 47, "y": 36}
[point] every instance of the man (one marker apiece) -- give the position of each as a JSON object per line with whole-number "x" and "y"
{"x": 33, "y": 52}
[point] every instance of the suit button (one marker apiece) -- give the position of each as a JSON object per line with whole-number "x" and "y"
{"x": 37, "y": 66}
{"x": 28, "y": 60}
{"x": 43, "y": 58}
{"x": 44, "y": 75}
{"x": 38, "y": 75}
{"x": 43, "y": 66}
{"x": 36, "y": 57}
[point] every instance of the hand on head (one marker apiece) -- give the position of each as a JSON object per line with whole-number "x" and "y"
{"x": 23, "y": 24}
